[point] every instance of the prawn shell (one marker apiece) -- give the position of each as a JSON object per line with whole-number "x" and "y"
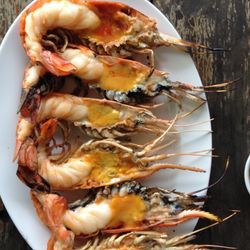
{"x": 123, "y": 24}
{"x": 52, "y": 210}
{"x": 164, "y": 214}
{"x": 131, "y": 116}
{"x": 36, "y": 5}
{"x": 115, "y": 28}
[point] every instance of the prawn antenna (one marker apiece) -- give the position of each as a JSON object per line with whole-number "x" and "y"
{"x": 215, "y": 183}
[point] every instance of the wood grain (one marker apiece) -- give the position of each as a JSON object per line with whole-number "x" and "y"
{"x": 223, "y": 23}
{"x": 218, "y": 23}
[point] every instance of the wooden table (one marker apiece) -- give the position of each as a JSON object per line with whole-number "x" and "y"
{"x": 224, "y": 23}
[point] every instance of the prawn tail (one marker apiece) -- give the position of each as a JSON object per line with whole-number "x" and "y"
{"x": 61, "y": 239}
{"x": 57, "y": 65}
{"x": 32, "y": 179}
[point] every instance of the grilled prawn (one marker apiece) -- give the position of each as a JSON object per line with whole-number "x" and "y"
{"x": 106, "y": 27}
{"x": 97, "y": 118}
{"x": 94, "y": 164}
{"x": 122, "y": 80}
{"x": 109, "y": 210}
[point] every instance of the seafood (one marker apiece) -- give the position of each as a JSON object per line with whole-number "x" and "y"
{"x": 93, "y": 164}
{"x": 109, "y": 210}
{"x": 24, "y": 129}
{"x": 118, "y": 79}
{"x": 32, "y": 75}
{"x": 146, "y": 240}
{"x": 54, "y": 34}
{"x": 98, "y": 118}
{"x": 106, "y": 27}
{"x": 39, "y": 82}
{"x": 122, "y": 80}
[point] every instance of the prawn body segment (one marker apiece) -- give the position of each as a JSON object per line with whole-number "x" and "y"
{"x": 106, "y": 119}
{"x": 23, "y": 131}
{"x": 47, "y": 15}
{"x": 122, "y": 80}
{"x": 109, "y": 209}
{"x": 109, "y": 28}
{"x": 99, "y": 167}
{"x": 95, "y": 117}
{"x": 94, "y": 164}
{"x": 118, "y": 79}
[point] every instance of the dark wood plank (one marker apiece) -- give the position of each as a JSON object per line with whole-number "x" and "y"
{"x": 8, "y": 12}
{"x": 1, "y": 206}
{"x": 224, "y": 23}
{"x": 10, "y": 238}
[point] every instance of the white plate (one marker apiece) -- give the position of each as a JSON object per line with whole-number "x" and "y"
{"x": 16, "y": 196}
